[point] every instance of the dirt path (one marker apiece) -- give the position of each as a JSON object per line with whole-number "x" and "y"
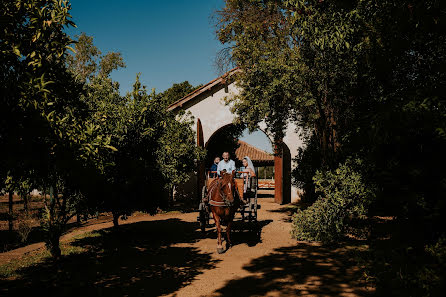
{"x": 274, "y": 266}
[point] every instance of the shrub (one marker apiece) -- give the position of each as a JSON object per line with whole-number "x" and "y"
{"x": 25, "y": 224}
{"x": 432, "y": 274}
{"x": 308, "y": 161}
{"x": 343, "y": 195}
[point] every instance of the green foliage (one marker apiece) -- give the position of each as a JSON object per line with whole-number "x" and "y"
{"x": 359, "y": 78}
{"x": 65, "y": 128}
{"x": 43, "y": 121}
{"x": 24, "y": 225}
{"x": 150, "y": 149}
{"x": 177, "y": 91}
{"x": 346, "y": 188}
{"x": 109, "y": 62}
{"x": 266, "y": 172}
{"x": 308, "y": 161}
{"x": 432, "y": 278}
{"x": 84, "y": 62}
{"x": 411, "y": 271}
{"x": 344, "y": 196}
{"x": 45, "y": 134}
{"x": 177, "y": 153}
{"x": 88, "y": 62}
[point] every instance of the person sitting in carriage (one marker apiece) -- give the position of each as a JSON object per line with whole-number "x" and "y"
{"x": 214, "y": 166}
{"x": 225, "y": 165}
{"x": 248, "y": 171}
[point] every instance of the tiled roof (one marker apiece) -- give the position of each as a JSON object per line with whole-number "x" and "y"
{"x": 256, "y": 154}
{"x": 219, "y": 80}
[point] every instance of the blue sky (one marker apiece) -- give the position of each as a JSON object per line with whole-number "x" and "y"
{"x": 166, "y": 41}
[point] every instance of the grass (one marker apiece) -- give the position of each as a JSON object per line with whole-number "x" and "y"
{"x": 295, "y": 206}
{"x": 12, "y": 268}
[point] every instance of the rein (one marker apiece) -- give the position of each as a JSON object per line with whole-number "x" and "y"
{"x": 225, "y": 202}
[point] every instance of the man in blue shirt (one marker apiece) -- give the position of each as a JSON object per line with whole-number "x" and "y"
{"x": 225, "y": 165}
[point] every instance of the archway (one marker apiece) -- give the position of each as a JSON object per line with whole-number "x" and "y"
{"x": 227, "y": 138}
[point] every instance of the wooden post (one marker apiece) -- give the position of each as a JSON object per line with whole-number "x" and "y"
{"x": 201, "y": 166}
{"x": 286, "y": 174}
{"x": 282, "y": 173}
{"x": 278, "y": 178}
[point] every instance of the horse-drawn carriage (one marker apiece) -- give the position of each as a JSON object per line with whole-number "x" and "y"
{"x": 245, "y": 190}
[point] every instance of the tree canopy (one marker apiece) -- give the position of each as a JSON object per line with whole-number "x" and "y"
{"x": 177, "y": 91}
{"x": 365, "y": 82}
{"x": 66, "y": 130}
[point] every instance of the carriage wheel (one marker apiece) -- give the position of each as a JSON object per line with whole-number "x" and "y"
{"x": 204, "y": 213}
{"x": 203, "y": 193}
{"x": 204, "y": 216}
{"x": 255, "y": 207}
{"x": 256, "y": 225}
{"x": 203, "y": 220}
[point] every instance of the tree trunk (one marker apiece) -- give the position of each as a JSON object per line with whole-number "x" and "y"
{"x": 53, "y": 244}
{"x": 115, "y": 219}
{"x": 53, "y": 237}
{"x": 10, "y": 217}
{"x": 25, "y": 202}
{"x": 172, "y": 196}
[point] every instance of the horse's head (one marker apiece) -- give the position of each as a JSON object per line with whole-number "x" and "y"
{"x": 227, "y": 186}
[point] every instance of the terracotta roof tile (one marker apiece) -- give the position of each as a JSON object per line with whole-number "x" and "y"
{"x": 256, "y": 154}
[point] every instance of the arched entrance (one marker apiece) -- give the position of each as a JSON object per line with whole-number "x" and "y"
{"x": 211, "y": 114}
{"x": 227, "y": 138}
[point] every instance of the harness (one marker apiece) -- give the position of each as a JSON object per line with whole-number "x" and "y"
{"x": 225, "y": 203}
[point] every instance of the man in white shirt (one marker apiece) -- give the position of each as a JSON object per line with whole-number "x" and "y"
{"x": 225, "y": 165}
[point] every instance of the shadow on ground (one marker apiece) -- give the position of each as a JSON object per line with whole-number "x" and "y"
{"x": 300, "y": 270}
{"x": 138, "y": 259}
{"x": 248, "y": 232}
{"x": 11, "y": 240}
{"x": 265, "y": 195}
{"x": 290, "y": 210}
{"x": 243, "y": 232}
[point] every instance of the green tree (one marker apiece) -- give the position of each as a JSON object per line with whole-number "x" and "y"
{"x": 154, "y": 149}
{"x": 177, "y": 91}
{"x": 366, "y": 80}
{"x": 44, "y": 126}
{"x": 298, "y": 64}
{"x": 88, "y": 61}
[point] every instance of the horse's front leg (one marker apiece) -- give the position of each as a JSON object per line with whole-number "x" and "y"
{"x": 228, "y": 235}
{"x": 220, "y": 249}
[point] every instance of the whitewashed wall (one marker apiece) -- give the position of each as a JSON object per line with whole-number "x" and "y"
{"x": 212, "y": 111}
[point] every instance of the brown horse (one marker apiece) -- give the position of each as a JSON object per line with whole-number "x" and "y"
{"x": 223, "y": 206}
